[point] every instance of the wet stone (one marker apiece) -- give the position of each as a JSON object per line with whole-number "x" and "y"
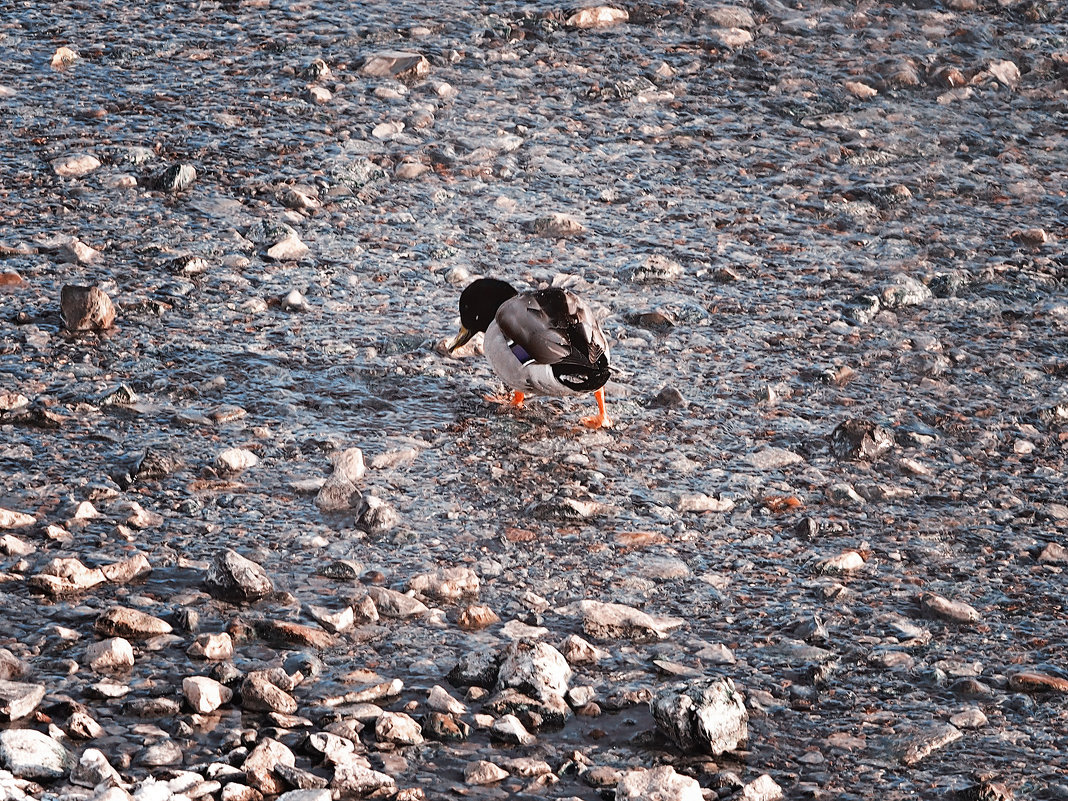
{"x": 396, "y": 727}
{"x": 233, "y": 577}
{"x": 115, "y": 653}
{"x": 398, "y": 64}
{"x": 391, "y": 603}
{"x": 535, "y": 668}
{"x": 353, "y": 776}
{"x": 159, "y": 754}
{"x": 376, "y": 516}
{"x": 259, "y": 694}
{"x": 259, "y": 765}
{"x": 705, "y": 715}
{"x": 860, "y": 440}
{"x": 923, "y": 743}
{"x": 93, "y": 769}
{"x": 176, "y": 178}
{"x": 119, "y": 621}
{"x": 75, "y": 165}
{"x": 19, "y": 699}
{"x": 608, "y": 621}
{"x": 509, "y": 729}
{"x": 214, "y": 647}
{"x": 204, "y": 694}
{"x": 662, "y": 783}
{"x": 86, "y": 308}
{"x": 29, "y": 754}
{"x": 936, "y": 606}
{"x": 483, "y": 772}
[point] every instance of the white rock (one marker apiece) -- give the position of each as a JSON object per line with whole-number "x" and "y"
{"x": 597, "y": 17}
{"x": 75, "y": 166}
{"x": 18, "y": 699}
{"x": 234, "y": 460}
{"x": 534, "y": 668}
{"x": 12, "y": 519}
{"x": 288, "y": 249}
{"x": 115, "y": 653}
{"x": 396, "y": 727}
{"x": 205, "y": 694}
{"x": 446, "y": 584}
{"x": 509, "y": 729}
{"x": 439, "y": 700}
{"x": 612, "y": 621}
{"x": 483, "y": 772}
{"x": 93, "y": 769}
{"x": 29, "y": 754}
{"x": 707, "y": 715}
{"x": 762, "y": 788}
{"x": 659, "y": 784}
{"x": 844, "y": 562}
{"x": 215, "y": 647}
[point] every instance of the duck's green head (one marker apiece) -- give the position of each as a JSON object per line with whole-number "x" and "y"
{"x": 478, "y": 306}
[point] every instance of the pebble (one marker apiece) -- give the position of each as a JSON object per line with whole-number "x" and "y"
{"x": 763, "y": 788}
{"x": 439, "y": 700}
{"x": 391, "y": 603}
{"x": 93, "y": 770}
{"x": 446, "y": 584}
{"x": 773, "y": 458}
{"x": 354, "y": 777}
{"x": 476, "y": 617}
{"x": 259, "y": 694}
{"x": 1035, "y": 682}
{"x": 288, "y": 249}
{"x": 969, "y": 718}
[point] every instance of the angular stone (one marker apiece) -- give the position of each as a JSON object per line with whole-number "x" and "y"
{"x": 535, "y": 668}
{"x": 204, "y": 694}
{"x": 86, "y": 307}
{"x": 396, "y": 727}
{"x": 291, "y": 248}
{"x": 579, "y": 652}
{"x": 233, "y": 577}
{"x": 706, "y": 715}
{"x": 860, "y": 440}
{"x": 660, "y": 784}
{"x": 258, "y": 694}
{"x": 926, "y": 742}
{"x": 76, "y": 165}
{"x": 12, "y": 519}
{"x": 111, "y": 654}
{"x": 236, "y": 791}
{"x": 288, "y": 633}
{"x": 447, "y": 584}
{"x": 597, "y": 17}
{"x": 509, "y": 729}
{"x": 773, "y": 458}
{"x": 119, "y": 621}
{"x": 557, "y": 226}
{"x": 18, "y": 699}
{"x": 29, "y": 754}
{"x": 944, "y": 609}
{"x": 259, "y": 766}
{"x": 475, "y": 668}
{"x": 483, "y": 772}
{"x": 127, "y": 570}
{"x": 93, "y": 769}
{"x": 215, "y": 647}
{"x": 161, "y": 754}
{"x": 1034, "y": 682}
{"x": 391, "y": 603}
{"x": 477, "y": 617}
{"x": 64, "y": 576}
{"x": 398, "y": 64}
{"x": 762, "y": 788}
{"x": 234, "y": 460}
{"x": 353, "y": 776}
{"x": 376, "y": 516}
{"x": 82, "y": 726}
{"x": 439, "y": 700}
{"x": 609, "y": 621}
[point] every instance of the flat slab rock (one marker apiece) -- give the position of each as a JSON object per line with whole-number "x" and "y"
{"x": 18, "y": 699}
{"x": 608, "y": 621}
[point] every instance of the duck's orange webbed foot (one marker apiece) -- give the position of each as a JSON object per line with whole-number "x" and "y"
{"x": 601, "y": 419}
{"x": 513, "y": 400}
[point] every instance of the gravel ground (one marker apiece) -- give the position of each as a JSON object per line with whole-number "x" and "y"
{"x": 826, "y": 242}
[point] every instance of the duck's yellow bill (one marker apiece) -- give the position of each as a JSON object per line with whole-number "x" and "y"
{"x": 461, "y": 339}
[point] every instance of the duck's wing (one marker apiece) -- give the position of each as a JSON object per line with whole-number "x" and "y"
{"x": 553, "y": 326}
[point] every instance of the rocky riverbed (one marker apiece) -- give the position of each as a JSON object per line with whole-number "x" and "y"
{"x": 261, "y": 534}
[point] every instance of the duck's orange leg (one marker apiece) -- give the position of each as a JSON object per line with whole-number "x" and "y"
{"x": 601, "y": 419}
{"x": 514, "y": 400}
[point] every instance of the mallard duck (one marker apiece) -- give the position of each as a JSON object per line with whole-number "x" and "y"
{"x": 540, "y": 343}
